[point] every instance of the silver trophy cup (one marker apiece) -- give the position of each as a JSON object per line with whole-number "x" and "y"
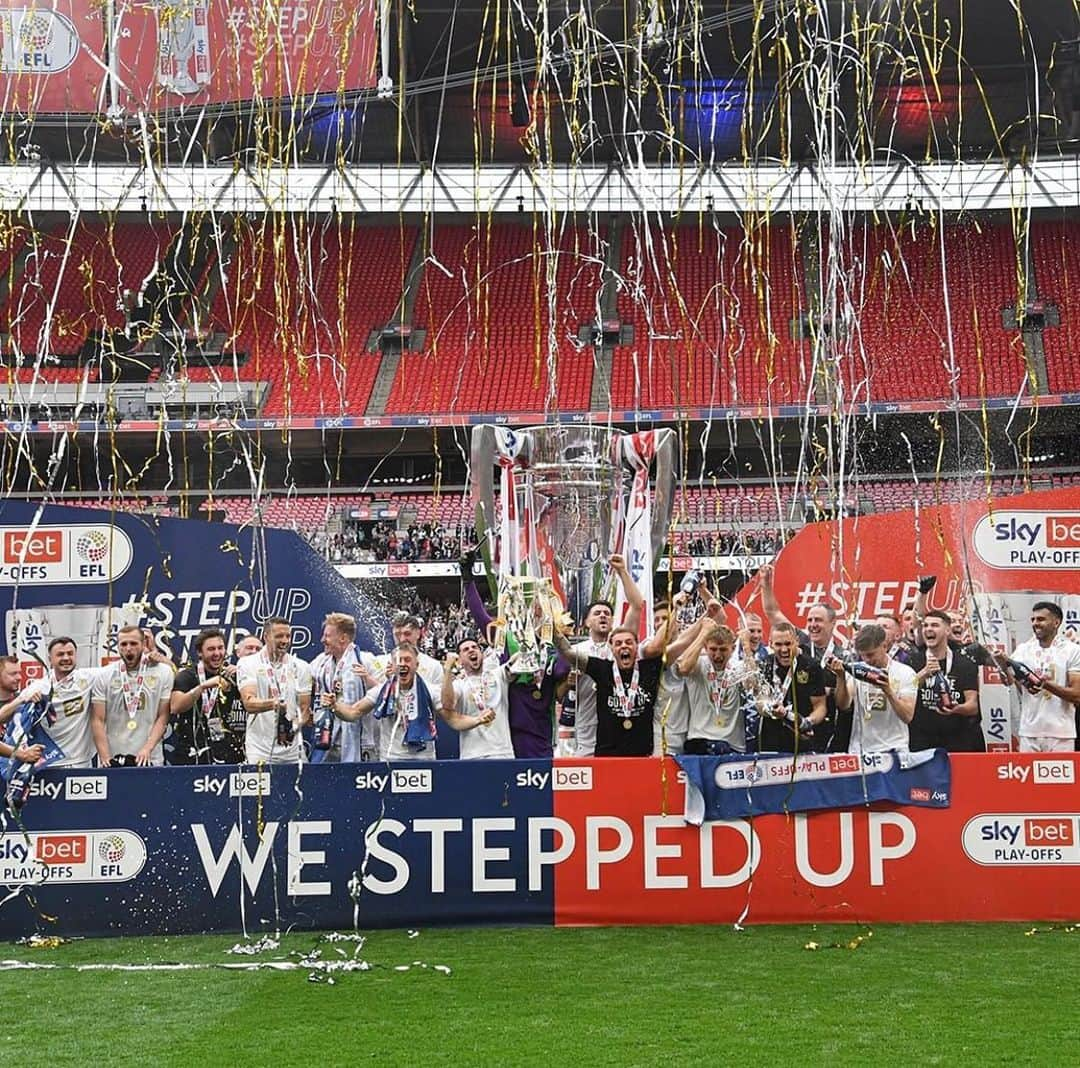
{"x": 571, "y": 480}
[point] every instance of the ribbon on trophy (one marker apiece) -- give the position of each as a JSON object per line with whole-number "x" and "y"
{"x": 638, "y": 451}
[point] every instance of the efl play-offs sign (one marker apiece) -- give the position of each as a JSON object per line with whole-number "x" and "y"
{"x": 565, "y": 842}
{"x": 83, "y": 553}
{"x": 1028, "y": 539}
{"x": 869, "y": 565}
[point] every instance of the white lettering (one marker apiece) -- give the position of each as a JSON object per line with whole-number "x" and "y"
{"x": 539, "y": 858}
{"x": 298, "y": 859}
{"x": 655, "y": 852}
{"x": 234, "y": 849}
{"x": 210, "y": 616}
{"x": 483, "y": 854}
{"x": 594, "y": 855}
{"x": 709, "y": 877}
{"x": 376, "y": 849}
{"x": 438, "y": 829}
{"x": 879, "y": 852}
{"x": 802, "y": 852}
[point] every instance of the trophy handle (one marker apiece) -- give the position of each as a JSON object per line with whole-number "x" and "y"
{"x": 482, "y": 458}
{"x": 663, "y": 490}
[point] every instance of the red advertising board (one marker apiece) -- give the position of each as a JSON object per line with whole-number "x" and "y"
{"x": 869, "y": 564}
{"x": 1008, "y": 848}
{"x": 217, "y": 51}
{"x": 51, "y": 56}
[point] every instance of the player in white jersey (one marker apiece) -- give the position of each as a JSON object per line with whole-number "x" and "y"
{"x": 483, "y": 687}
{"x": 884, "y": 703}
{"x": 404, "y": 709}
{"x": 130, "y": 705}
{"x": 374, "y": 670}
{"x": 714, "y": 691}
{"x": 1050, "y": 687}
{"x": 598, "y": 621}
{"x": 672, "y": 717}
{"x": 68, "y": 720}
{"x": 275, "y": 687}
{"x": 332, "y": 671}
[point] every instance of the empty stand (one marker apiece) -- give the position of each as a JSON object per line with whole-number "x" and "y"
{"x": 712, "y": 311}
{"x": 82, "y": 274}
{"x": 915, "y": 288}
{"x": 501, "y": 306}
{"x": 298, "y": 302}
{"x": 1055, "y": 248}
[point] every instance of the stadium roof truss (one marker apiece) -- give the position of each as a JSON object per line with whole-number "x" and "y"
{"x": 467, "y": 189}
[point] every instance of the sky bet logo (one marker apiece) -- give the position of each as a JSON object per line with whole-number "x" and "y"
{"x": 1028, "y": 539}
{"x": 1039, "y": 772}
{"x": 39, "y": 547}
{"x": 400, "y": 781}
{"x": 1023, "y": 839}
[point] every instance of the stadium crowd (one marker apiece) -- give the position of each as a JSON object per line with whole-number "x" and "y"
{"x": 696, "y": 686}
{"x": 379, "y": 542}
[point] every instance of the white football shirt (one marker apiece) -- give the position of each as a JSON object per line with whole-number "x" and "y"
{"x": 875, "y": 726}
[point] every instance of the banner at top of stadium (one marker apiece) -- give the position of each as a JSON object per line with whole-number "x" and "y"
{"x": 54, "y": 54}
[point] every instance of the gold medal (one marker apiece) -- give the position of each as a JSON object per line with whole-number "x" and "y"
{"x": 537, "y": 695}
{"x": 132, "y": 724}
{"x": 627, "y": 724}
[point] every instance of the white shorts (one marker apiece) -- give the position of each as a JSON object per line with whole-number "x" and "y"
{"x": 1029, "y": 744}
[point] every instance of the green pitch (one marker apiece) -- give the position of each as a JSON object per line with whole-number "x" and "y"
{"x": 617, "y": 996}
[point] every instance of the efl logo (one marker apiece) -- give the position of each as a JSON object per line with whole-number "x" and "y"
{"x": 1054, "y": 772}
{"x": 86, "y": 788}
{"x": 576, "y": 778}
{"x": 411, "y": 782}
{"x": 40, "y": 547}
{"x": 61, "y": 848}
{"x": 1063, "y": 531}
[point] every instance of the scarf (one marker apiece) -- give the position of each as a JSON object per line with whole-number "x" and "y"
{"x": 25, "y": 728}
{"x": 420, "y": 729}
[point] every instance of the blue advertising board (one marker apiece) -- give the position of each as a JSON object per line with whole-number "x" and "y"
{"x": 172, "y": 850}
{"x": 83, "y": 572}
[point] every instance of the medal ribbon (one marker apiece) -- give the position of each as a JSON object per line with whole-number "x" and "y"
{"x": 131, "y": 699}
{"x": 276, "y": 684}
{"x": 208, "y": 701}
{"x": 483, "y": 701}
{"x": 720, "y": 686}
{"x": 627, "y": 698}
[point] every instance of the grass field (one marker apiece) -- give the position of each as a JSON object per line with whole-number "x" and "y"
{"x": 613, "y": 996}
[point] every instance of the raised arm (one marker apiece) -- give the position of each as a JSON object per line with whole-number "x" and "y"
{"x": 576, "y": 658}
{"x": 449, "y": 697}
{"x": 769, "y": 604}
{"x": 687, "y": 661}
{"x": 481, "y": 616}
{"x": 633, "y": 595}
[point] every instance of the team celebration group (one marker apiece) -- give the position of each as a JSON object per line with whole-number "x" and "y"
{"x": 696, "y": 686}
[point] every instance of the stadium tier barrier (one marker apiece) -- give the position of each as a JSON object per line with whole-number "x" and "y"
{"x": 511, "y": 842}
